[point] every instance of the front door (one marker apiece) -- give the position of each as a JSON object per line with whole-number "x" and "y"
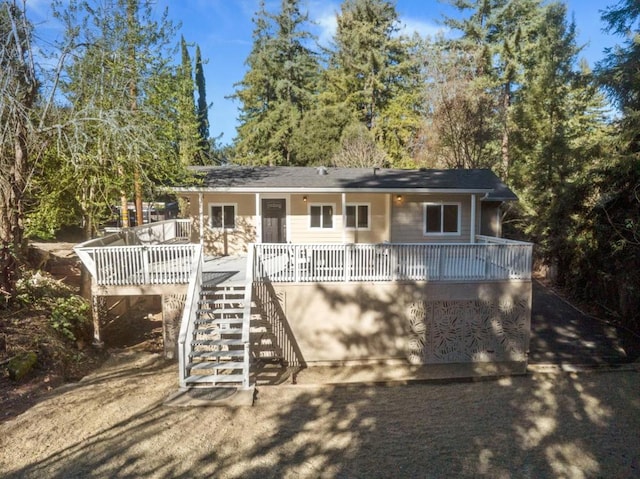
{"x": 274, "y": 216}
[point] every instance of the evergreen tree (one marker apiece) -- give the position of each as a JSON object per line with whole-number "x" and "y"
{"x": 278, "y": 87}
{"x": 202, "y": 109}
{"x": 373, "y": 73}
{"x": 556, "y": 112}
{"x": 612, "y": 266}
{"x": 503, "y": 32}
{"x": 189, "y": 140}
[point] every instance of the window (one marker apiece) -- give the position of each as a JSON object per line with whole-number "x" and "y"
{"x": 321, "y": 216}
{"x": 357, "y": 216}
{"x": 441, "y": 218}
{"x": 223, "y": 216}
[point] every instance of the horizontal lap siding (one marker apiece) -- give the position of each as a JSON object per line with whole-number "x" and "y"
{"x": 407, "y": 219}
{"x": 302, "y": 233}
{"x": 237, "y": 239}
{"x": 406, "y": 224}
{"x": 300, "y": 224}
{"x": 377, "y": 233}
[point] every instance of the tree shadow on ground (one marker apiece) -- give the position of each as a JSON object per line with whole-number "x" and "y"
{"x": 562, "y": 425}
{"x": 537, "y": 426}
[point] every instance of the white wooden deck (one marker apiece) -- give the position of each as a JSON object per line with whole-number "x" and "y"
{"x": 161, "y": 255}
{"x": 486, "y": 261}
{"x": 231, "y": 270}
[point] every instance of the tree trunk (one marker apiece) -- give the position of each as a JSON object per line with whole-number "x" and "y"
{"x": 138, "y": 199}
{"x": 506, "y": 103}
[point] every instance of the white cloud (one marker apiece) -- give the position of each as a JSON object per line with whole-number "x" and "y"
{"x": 323, "y": 14}
{"x": 409, "y": 26}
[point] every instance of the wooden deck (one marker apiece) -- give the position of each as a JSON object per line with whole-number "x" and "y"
{"x": 144, "y": 260}
{"x": 231, "y": 270}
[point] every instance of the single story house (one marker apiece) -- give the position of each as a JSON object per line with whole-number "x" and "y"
{"x": 338, "y": 266}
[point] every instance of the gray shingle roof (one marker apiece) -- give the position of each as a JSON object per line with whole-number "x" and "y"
{"x": 293, "y": 178}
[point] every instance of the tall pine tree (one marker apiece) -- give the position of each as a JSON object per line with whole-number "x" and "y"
{"x": 189, "y": 140}
{"x": 202, "y": 110}
{"x": 503, "y": 33}
{"x": 613, "y": 268}
{"x": 372, "y": 72}
{"x": 278, "y": 88}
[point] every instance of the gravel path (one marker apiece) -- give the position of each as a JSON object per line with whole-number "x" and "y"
{"x": 113, "y": 424}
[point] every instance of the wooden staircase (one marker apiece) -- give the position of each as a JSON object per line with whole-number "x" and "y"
{"x": 220, "y": 343}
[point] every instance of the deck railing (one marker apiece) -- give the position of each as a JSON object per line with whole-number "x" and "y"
{"x": 136, "y": 265}
{"x": 157, "y": 253}
{"x": 189, "y": 313}
{"x": 271, "y": 311}
{"x": 393, "y": 262}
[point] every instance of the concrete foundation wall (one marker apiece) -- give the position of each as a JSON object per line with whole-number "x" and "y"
{"x": 423, "y": 323}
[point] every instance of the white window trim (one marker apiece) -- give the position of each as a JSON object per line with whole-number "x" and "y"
{"x": 222, "y": 205}
{"x": 356, "y": 227}
{"x": 441, "y": 204}
{"x": 333, "y": 217}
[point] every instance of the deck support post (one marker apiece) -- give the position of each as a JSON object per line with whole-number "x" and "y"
{"x": 98, "y": 311}
{"x": 473, "y": 219}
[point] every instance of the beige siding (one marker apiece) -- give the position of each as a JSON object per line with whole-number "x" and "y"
{"x": 226, "y": 241}
{"x": 406, "y": 224}
{"x": 377, "y": 232}
{"x": 301, "y": 231}
{"x": 407, "y": 219}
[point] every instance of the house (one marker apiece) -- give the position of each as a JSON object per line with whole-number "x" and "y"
{"x": 332, "y": 266}
{"x": 236, "y": 206}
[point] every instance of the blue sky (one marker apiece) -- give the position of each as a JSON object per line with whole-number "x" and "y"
{"x": 223, "y": 30}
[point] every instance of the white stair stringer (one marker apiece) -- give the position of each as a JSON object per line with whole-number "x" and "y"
{"x": 220, "y": 343}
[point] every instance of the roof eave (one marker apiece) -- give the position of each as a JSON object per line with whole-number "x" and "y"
{"x": 306, "y": 190}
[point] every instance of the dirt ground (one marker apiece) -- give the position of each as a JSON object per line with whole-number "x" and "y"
{"x": 113, "y": 424}
{"x": 21, "y": 329}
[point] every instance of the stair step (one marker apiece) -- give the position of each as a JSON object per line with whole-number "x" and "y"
{"x": 238, "y": 353}
{"x": 215, "y": 378}
{"x": 218, "y": 331}
{"x": 219, "y": 311}
{"x": 222, "y": 304}
{"x": 206, "y": 365}
{"x": 220, "y": 291}
{"x": 217, "y": 342}
{"x": 218, "y": 321}
{"x": 225, "y": 300}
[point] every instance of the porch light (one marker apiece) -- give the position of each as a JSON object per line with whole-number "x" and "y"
{"x": 304, "y": 198}
{"x": 399, "y": 198}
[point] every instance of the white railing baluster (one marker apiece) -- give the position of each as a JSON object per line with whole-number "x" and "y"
{"x": 485, "y": 260}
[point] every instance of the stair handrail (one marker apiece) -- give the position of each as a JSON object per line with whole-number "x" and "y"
{"x": 189, "y": 314}
{"x": 246, "y": 317}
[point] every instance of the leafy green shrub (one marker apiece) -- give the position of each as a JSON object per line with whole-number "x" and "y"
{"x": 70, "y": 316}
{"x": 34, "y": 286}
